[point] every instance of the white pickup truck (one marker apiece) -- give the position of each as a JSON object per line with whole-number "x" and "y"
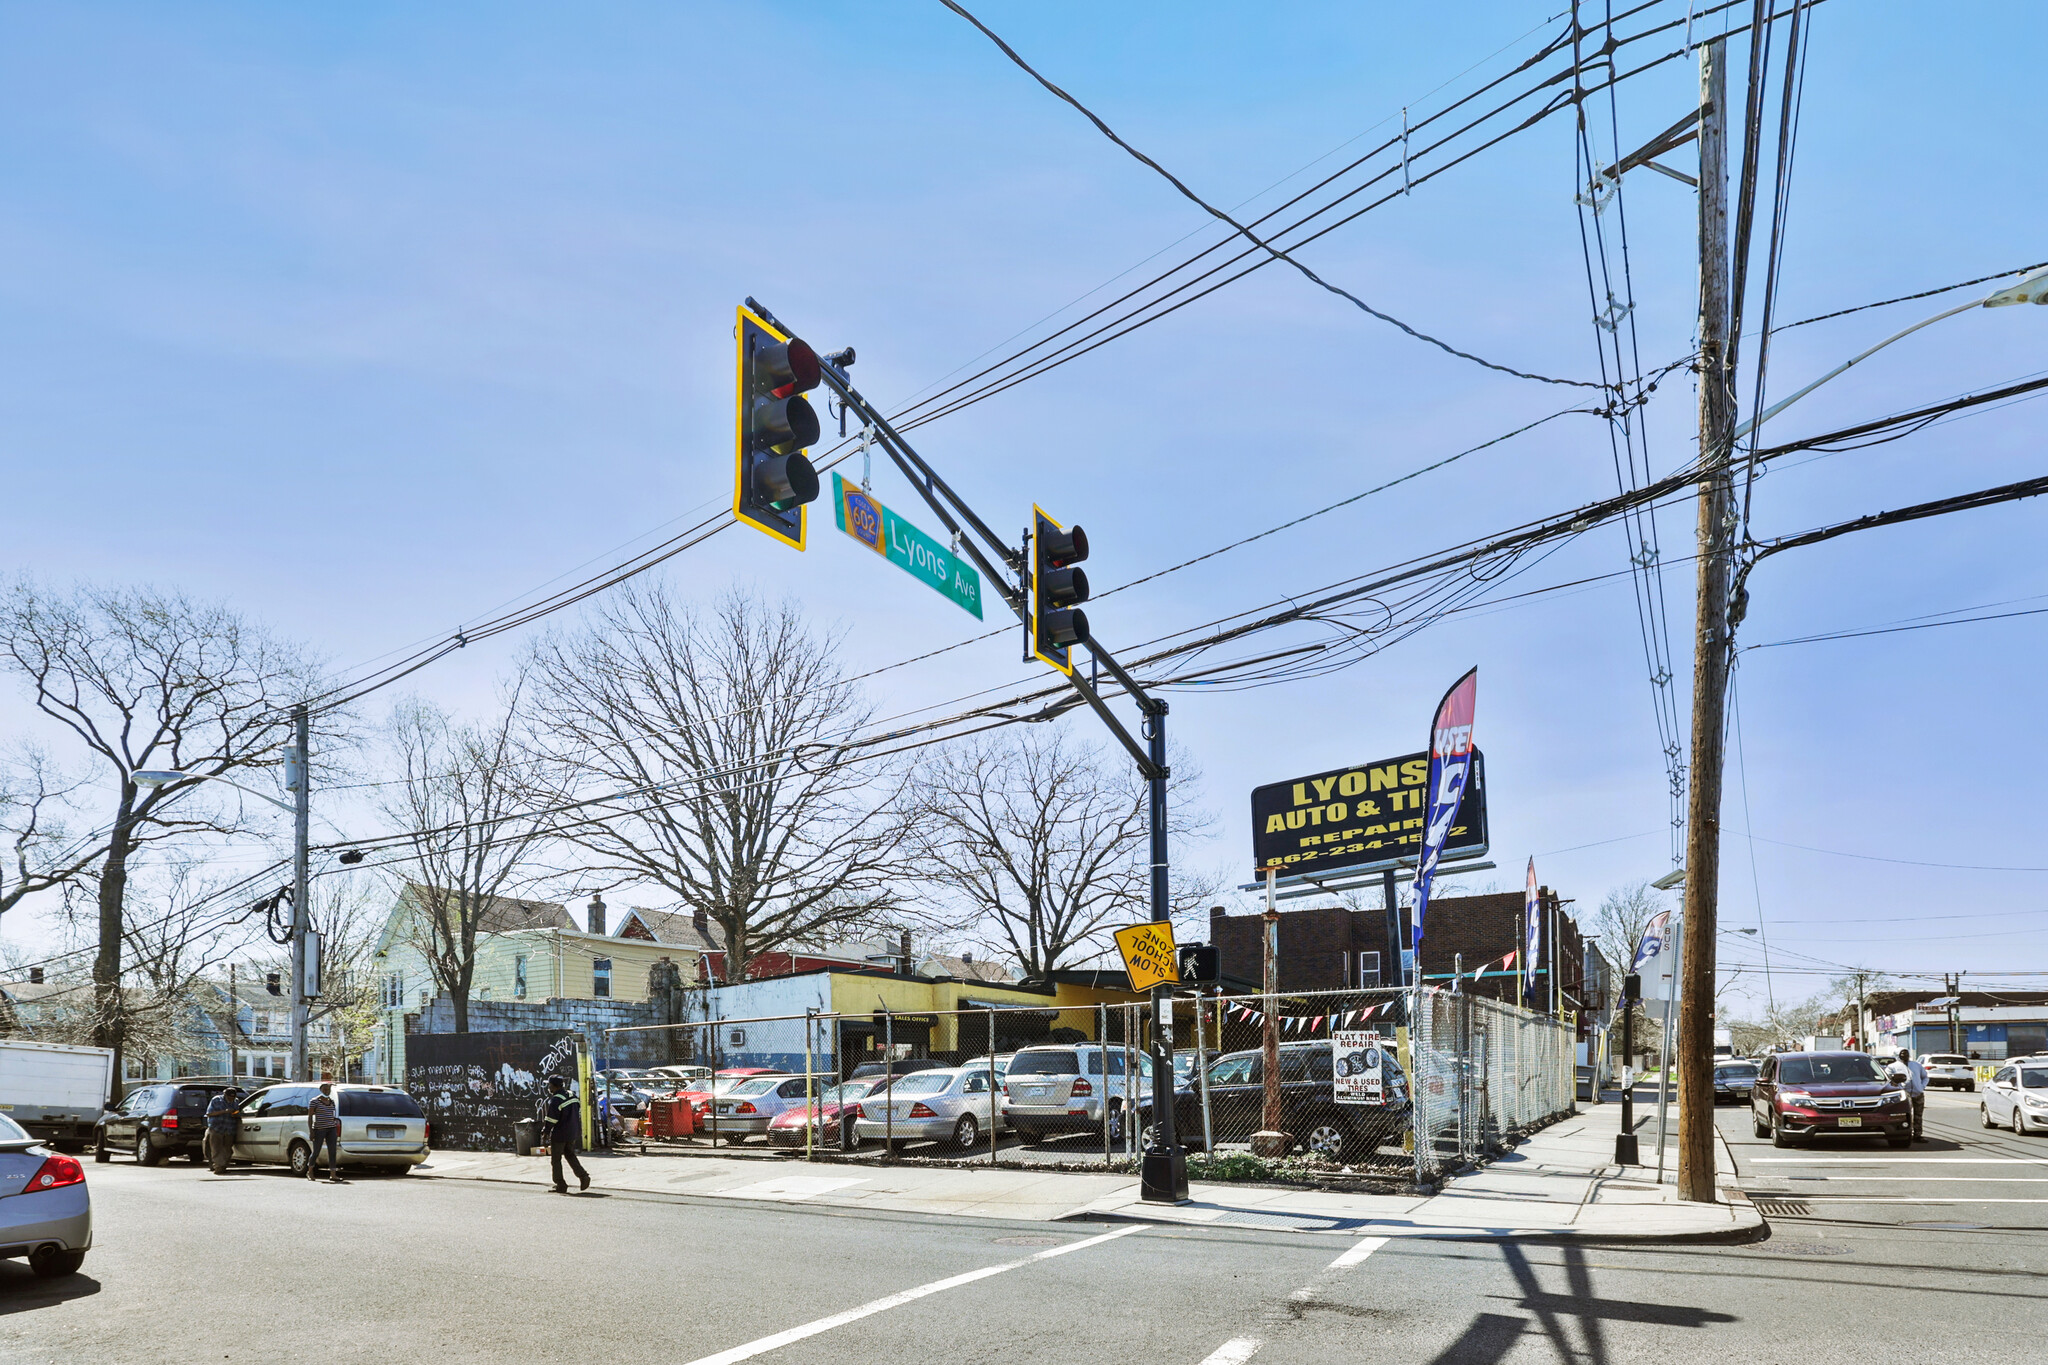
{"x": 55, "y": 1090}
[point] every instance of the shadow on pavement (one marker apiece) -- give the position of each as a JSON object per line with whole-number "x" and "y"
{"x": 22, "y": 1290}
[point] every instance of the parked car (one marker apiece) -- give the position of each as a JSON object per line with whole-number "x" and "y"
{"x": 902, "y": 1066}
{"x": 626, "y": 1092}
{"x": 1063, "y": 1088}
{"x": 45, "y": 1209}
{"x": 381, "y": 1127}
{"x": 1951, "y": 1069}
{"x": 831, "y": 1116}
{"x": 669, "y": 1075}
{"x": 1308, "y": 1102}
{"x": 2017, "y": 1098}
{"x": 745, "y": 1110}
{"x": 1803, "y": 1095}
{"x": 156, "y": 1121}
{"x": 952, "y": 1104}
{"x": 701, "y": 1097}
{"x": 1734, "y": 1080}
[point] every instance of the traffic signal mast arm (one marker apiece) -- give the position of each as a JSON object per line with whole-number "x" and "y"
{"x": 945, "y": 503}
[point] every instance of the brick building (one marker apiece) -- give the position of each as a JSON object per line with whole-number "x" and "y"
{"x": 1334, "y": 948}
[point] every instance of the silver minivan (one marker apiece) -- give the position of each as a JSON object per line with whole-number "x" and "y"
{"x": 381, "y": 1127}
{"x": 1062, "y": 1088}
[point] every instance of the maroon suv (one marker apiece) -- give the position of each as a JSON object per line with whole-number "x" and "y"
{"x": 1800, "y": 1095}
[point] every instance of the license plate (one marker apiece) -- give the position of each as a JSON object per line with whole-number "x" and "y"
{"x": 1034, "y": 1092}
{"x": 385, "y": 1133}
{"x": 1846, "y": 1122}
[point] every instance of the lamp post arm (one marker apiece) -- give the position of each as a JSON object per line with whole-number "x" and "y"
{"x": 1774, "y": 409}
{"x": 285, "y": 806}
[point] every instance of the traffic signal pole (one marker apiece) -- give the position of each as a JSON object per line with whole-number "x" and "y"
{"x": 1164, "y": 1176}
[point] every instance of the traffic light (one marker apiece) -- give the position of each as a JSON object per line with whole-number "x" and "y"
{"x": 772, "y": 478}
{"x": 1200, "y": 963}
{"x": 1057, "y": 590}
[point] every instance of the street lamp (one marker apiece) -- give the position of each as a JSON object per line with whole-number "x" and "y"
{"x": 298, "y": 781}
{"x": 1671, "y": 880}
{"x": 2031, "y": 289}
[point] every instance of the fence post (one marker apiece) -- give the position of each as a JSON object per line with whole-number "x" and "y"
{"x": 811, "y": 1105}
{"x": 1102, "y": 1051}
{"x": 995, "y": 1108}
{"x": 1202, "y": 1073}
{"x": 1133, "y": 1021}
{"x": 888, "y": 1088}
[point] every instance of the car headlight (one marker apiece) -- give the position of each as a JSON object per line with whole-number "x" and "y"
{"x": 1798, "y": 1097}
{"x": 2037, "y": 1101}
{"x": 1892, "y": 1097}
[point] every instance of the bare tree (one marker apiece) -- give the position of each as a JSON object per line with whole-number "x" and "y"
{"x": 461, "y": 800}
{"x": 348, "y": 914}
{"x": 33, "y": 802}
{"x": 706, "y": 745}
{"x": 146, "y": 679}
{"x": 1043, "y": 841}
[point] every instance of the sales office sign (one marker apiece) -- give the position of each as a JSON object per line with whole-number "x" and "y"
{"x": 1360, "y": 818}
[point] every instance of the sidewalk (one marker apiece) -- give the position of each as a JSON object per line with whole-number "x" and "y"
{"x": 1560, "y": 1183}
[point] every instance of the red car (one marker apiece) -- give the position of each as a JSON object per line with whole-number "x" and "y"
{"x": 1799, "y": 1096}
{"x": 832, "y": 1116}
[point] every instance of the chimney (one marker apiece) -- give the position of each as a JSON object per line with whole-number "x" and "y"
{"x": 1216, "y": 912}
{"x": 35, "y": 976}
{"x": 701, "y": 922}
{"x": 903, "y": 949}
{"x": 597, "y": 914}
{"x": 967, "y": 956}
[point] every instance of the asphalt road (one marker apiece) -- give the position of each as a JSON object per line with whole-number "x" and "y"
{"x": 256, "y": 1265}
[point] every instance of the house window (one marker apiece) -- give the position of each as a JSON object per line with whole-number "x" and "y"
{"x": 519, "y": 977}
{"x": 1368, "y": 970}
{"x": 601, "y": 977}
{"x": 394, "y": 992}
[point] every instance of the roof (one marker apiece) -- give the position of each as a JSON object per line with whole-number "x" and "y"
{"x": 944, "y": 966}
{"x": 669, "y": 927}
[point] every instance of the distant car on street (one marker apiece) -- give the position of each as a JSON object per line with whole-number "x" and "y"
{"x": 831, "y": 1116}
{"x": 157, "y": 1121}
{"x": 1799, "y": 1096}
{"x": 1734, "y": 1080}
{"x": 2017, "y": 1097}
{"x": 1951, "y": 1069}
{"x": 952, "y": 1105}
{"x": 382, "y": 1127}
{"x": 45, "y": 1209}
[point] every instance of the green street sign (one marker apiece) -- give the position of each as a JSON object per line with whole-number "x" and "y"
{"x": 864, "y": 518}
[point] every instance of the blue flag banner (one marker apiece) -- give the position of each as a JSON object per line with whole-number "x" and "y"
{"x": 1450, "y": 767}
{"x": 1532, "y": 933}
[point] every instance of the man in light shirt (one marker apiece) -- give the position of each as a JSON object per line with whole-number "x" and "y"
{"x": 1915, "y": 1081}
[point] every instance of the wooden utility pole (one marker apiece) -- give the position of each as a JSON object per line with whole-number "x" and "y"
{"x": 1695, "y": 1051}
{"x": 1270, "y": 1140}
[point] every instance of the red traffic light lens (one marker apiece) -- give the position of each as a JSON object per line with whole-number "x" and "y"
{"x": 1064, "y": 547}
{"x": 789, "y": 367}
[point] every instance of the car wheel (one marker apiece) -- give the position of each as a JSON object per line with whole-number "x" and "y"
{"x": 966, "y": 1133}
{"x": 146, "y": 1155}
{"x": 2019, "y": 1121}
{"x": 299, "y": 1158}
{"x": 1984, "y": 1113}
{"x": 1758, "y": 1126}
{"x": 49, "y": 1263}
{"x": 1116, "y": 1124}
{"x": 1778, "y": 1138}
{"x": 1970, "y": 1089}
{"x": 1326, "y": 1140}
{"x": 101, "y": 1151}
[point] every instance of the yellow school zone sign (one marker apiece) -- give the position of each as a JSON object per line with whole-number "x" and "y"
{"x": 1149, "y": 955}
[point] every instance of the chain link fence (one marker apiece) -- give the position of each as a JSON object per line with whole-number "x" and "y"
{"x": 1391, "y": 1081}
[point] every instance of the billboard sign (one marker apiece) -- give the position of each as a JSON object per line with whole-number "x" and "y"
{"x": 1361, "y": 818}
{"x": 1359, "y": 1066}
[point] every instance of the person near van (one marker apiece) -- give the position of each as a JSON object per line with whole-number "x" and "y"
{"x": 1915, "y": 1081}
{"x": 222, "y": 1119}
{"x": 563, "y": 1119}
{"x": 325, "y": 1122}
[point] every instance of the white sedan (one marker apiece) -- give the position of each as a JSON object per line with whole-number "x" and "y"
{"x": 2017, "y": 1098}
{"x": 953, "y": 1105}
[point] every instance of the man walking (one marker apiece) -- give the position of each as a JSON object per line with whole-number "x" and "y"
{"x": 221, "y": 1121}
{"x": 563, "y": 1119}
{"x": 1916, "y": 1089}
{"x": 326, "y": 1126}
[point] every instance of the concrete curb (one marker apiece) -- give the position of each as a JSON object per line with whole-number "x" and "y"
{"x": 1751, "y": 1230}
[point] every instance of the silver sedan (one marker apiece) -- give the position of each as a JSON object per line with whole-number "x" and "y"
{"x": 45, "y": 1212}
{"x": 950, "y": 1105}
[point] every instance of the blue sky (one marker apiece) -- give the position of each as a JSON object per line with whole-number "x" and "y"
{"x": 369, "y": 320}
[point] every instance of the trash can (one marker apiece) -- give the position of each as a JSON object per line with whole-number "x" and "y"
{"x": 525, "y": 1136}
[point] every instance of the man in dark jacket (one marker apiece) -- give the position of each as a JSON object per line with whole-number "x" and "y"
{"x": 562, "y": 1118}
{"x": 222, "y": 1119}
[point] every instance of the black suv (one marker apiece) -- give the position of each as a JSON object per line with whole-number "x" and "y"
{"x": 156, "y": 1120}
{"x": 1308, "y": 1103}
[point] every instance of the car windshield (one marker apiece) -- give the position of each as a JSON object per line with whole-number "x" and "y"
{"x": 2034, "y": 1078}
{"x": 1794, "y": 1070}
{"x": 1046, "y": 1064}
{"x": 758, "y": 1085}
{"x": 379, "y": 1104}
{"x": 1732, "y": 1073}
{"x": 924, "y": 1083}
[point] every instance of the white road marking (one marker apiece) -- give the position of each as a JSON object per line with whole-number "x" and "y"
{"x": 764, "y": 1345}
{"x": 792, "y": 1187}
{"x": 1234, "y": 1352}
{"x": 1358, "y": 1252}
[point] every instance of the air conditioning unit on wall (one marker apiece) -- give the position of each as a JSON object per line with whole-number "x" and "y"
{"x": 736, "y": 1038}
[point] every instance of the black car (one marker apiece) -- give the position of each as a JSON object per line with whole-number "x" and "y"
{"x": 157, "y": 1120}
{"x": 1308, "y": 1102}
{"x": 1734, "y": 1080}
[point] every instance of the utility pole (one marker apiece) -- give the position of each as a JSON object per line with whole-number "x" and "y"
{"x": 298, "y": 773}
{"x": 1270, "y": 1140}
{"x": 1695, "y": 1052}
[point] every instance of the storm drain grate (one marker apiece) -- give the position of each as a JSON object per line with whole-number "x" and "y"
{"x": 1776, "y": 1206}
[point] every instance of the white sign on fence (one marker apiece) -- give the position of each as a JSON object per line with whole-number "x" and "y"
{"x": 1357, "y": 1066}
